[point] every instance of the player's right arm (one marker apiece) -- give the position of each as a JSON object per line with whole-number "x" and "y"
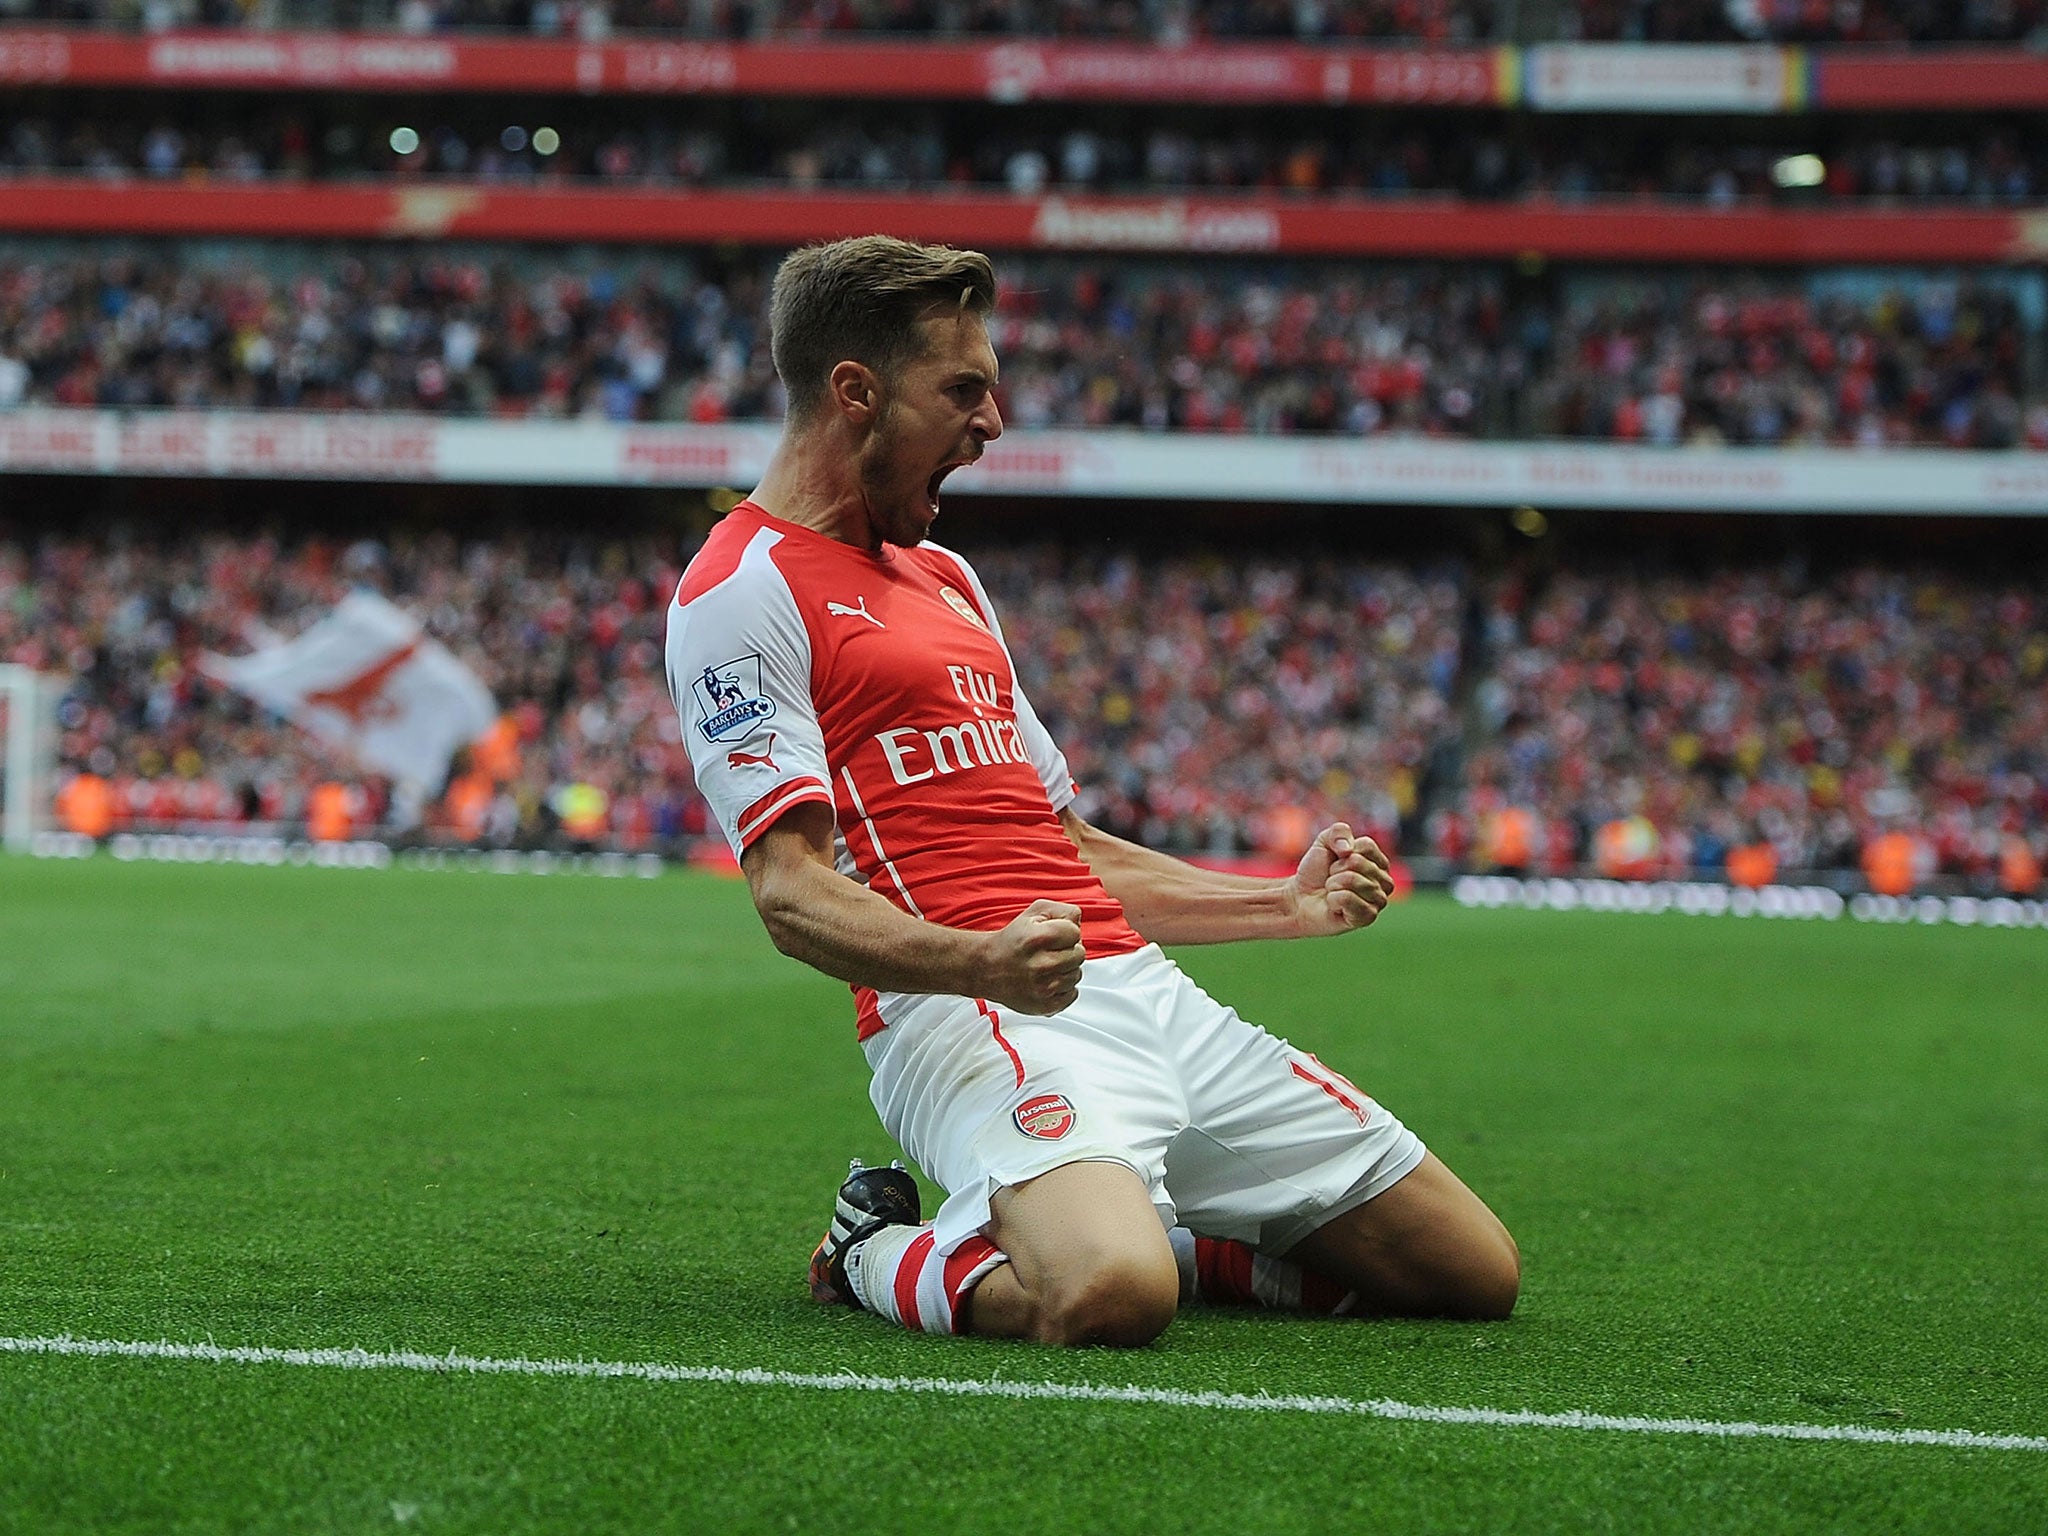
{"x": 815, "y": 914}
{"x": 739, "y": 664}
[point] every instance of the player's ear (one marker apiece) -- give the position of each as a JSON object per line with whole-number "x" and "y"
{"x": 855, "y": 392}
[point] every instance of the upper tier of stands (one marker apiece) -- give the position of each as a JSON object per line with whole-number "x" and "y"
{"x": 1158, "y": 21}
{"x": 1871, "y": 359}
{"x": 1984, "y": 161}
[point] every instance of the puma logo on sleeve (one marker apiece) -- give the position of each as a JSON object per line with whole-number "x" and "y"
{"x": 765, "y": 758}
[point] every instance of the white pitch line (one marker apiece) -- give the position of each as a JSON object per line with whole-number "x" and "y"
{"x": 1034, "y": 1391}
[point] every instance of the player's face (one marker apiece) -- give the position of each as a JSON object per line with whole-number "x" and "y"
{"x": 936, "y": 414}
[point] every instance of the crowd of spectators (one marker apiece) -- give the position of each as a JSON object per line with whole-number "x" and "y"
{"x": 568, "y": 641}
{"x": 1266, "y": 348}
{"x": 1942, "y": 364}
{"x": 1227, "y": 706}
{"x": 1885, "y": 22}
{"x": 1759, "y": 709}
{"x": 1641, "y": 725}
{"x": 1205, "y": 705}
{"x": 406, "y": 334}
{"x": 1026, "y": 151}
{"x": 1167, "y": 22}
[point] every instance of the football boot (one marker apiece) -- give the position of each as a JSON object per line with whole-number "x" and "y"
{"x": 869, "y": 1200}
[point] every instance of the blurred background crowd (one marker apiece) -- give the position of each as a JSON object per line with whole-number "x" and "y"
{"x": 1829, "y": 724}
{"x": 1739, "y": 722}
{"x": 1161, "y": 21}
{"x": 1863, "y": 703}
{"x": 1870, "y": 358}
{"x": 1995, "y": 159}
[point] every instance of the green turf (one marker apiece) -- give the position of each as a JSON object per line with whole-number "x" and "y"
{"x": 1759, "y": 1171}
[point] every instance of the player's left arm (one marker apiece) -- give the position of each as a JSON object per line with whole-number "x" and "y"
{"x": 1343, "y": 882}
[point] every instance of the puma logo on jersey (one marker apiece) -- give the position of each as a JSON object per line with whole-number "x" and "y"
{"x": 859, "y": 610}
{"x": 764, "y": 758}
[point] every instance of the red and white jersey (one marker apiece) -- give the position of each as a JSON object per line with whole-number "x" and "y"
{"x": 878, "y": 683}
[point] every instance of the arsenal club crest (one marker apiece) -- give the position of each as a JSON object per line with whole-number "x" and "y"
{"x": 961, "y": 606}
{"x": 1048, "y": 1117}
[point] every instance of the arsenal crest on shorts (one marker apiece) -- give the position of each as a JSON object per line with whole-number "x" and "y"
{"x": 1048, "y": 1117}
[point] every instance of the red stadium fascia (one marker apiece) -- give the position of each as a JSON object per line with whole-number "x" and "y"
{"x": 1419, "y": 227}
{"x": 1933, "y": 79}
{"x": 1026, "y": 69}
{"x": 1022, "y": 70}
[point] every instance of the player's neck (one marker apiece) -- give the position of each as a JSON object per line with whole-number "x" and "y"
{"x": 812, "y": 482}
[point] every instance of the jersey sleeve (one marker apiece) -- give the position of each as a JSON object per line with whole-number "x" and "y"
{"x": 739, "y": 671}
{"x": 1047, "y": 759}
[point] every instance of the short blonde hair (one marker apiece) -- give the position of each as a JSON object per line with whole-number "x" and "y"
{"x": 862, "y": 299}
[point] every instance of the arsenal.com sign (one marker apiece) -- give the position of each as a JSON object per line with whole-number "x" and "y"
{"x": 1154, "y": 224}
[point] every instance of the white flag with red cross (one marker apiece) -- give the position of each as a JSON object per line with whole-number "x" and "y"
{"x": 369, "y": 680}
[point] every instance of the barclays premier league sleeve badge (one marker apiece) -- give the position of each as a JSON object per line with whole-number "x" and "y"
{"x": 730, "y": 699}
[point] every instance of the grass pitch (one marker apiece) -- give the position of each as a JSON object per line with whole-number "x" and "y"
{"x": 1777, "y": 1172}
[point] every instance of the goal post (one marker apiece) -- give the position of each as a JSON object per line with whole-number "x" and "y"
{"x": 28, "y": 748}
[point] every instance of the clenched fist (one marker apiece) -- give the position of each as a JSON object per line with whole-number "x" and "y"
{"x": 1343, "y": 882}
{"x": 1034, "y": 964}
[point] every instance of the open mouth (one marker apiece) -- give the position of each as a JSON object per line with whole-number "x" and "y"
{"x": 931, "y": 486}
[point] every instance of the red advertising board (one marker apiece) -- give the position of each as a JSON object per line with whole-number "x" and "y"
{"x": 1956, "y": 79}
{"x": 1827, "y": 79}
{"x": 1245, "y": 73}
{"x": 1224, "y": 73}
{"x": 1334, "y": 227}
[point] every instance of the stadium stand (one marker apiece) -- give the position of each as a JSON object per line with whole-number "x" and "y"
{"x": 1026, "y": 150}
{"x": 1166, "y": 21}
{"x": 1210, "y": 705}
{"x": 570, "y": 645}
{"x": 1805, "y": 21}
{"x": 1267, "y": 349}
{"x": 1391, "y": 222}
{"x": 1159, "y": 21}
{"x": 1762, "y": 707}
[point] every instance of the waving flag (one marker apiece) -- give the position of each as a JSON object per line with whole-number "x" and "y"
{"x": 368, "y": 680}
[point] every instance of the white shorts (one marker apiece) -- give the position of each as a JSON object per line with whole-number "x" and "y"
{"x": 1234, "y": 1132}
